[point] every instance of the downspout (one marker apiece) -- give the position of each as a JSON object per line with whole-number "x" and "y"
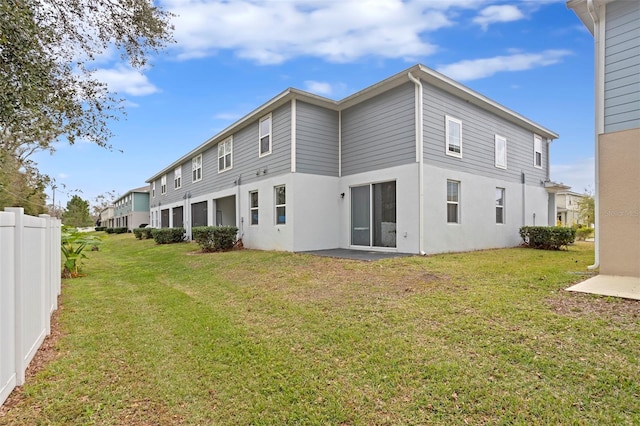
{"x": 598, "y": 30}
{"x": 340, "y": 143}
{"x": 419, "y": 160}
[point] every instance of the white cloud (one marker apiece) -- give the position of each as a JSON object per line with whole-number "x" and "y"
{"x": 318, "y": 87}
{"x": 580, "y": 175}
{"x": 123, "y": 79}
{"x": 227, "y": 116}
{"x": 62, "y": 175}
{"x": 493, "y": 14}
{"x": 271, "y": 32}
{"x": 474, "y": 69}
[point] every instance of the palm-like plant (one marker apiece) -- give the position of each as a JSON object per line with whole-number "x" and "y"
{"x": 73, "y": 243}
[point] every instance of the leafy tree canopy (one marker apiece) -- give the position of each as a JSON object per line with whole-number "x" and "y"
{"x": 77, "y": 213}
{"x": 48, "y": 92}
{"x": 47, "y": 89}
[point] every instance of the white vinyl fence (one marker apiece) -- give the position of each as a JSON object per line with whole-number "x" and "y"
{"x": 30, "y": 268}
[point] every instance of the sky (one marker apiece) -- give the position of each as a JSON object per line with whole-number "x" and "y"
{"x": 534, "y": 57}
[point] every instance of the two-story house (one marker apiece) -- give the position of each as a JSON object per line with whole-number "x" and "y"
{"x": 615, "y": 26}
{"x": 132, "y": 209}
{"x": 416, "y": 163}
{"x": 568, "y": 208}
{"x": 107, "y": 217}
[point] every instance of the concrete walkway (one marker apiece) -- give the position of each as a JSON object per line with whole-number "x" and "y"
{"x": 365, "y": 255}
{"x": 609, "y": 285}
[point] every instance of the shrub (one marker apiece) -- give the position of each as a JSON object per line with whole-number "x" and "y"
{"x": 122, "y": 230}
{"x": 109, "y": 230}
{"x": 168, "y": 235}
{"x": 143, "y": 233}
{"x": 215, "y": 238}
{"x": 72, "y": 245}
{"x": 100, "y": 228}
{"x": 583, "y": 232}
{"x": 547, "y": 237}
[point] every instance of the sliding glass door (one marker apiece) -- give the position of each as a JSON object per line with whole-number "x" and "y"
{"x": 373, "y": 215}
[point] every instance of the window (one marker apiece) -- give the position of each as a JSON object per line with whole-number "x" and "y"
{"x": 453, "y": 201}
{"x": 537, "y": 151}
{"x": 196, "y": 168}
{"x": 253, "y": 207}
{"x": 281, "y": 205}
{"x": 224, "y": 155}
{"x": 453, "y": 135}
{"x": 499, "y": 205}
{"x": 177, "y": 178}
{"x": 501, "y": 152}
{"x": 265, "y": 135}
{"x": 153, "y": 189}
{"x": 163, "y": 185}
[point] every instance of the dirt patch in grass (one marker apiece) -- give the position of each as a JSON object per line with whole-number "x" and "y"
{"x": 613, "y": 309}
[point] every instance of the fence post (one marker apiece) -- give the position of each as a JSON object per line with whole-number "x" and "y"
{"x": 19, "y": 284}
{"x": 7, "y": 306}
{"x": 48, "y": 282}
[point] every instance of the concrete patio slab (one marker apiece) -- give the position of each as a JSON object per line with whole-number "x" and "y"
{"x": 365, "y": 255}
{"x": 610, "y": 285}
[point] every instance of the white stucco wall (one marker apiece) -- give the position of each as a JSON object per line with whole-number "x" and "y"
{"x": 267, "y": 235}
{"x": 316, "y": 212}
{"x": 407, "y": 223}
{"x": 478, "y": 228}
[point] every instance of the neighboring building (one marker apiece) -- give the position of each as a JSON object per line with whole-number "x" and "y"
{"x": 132, "y": 209}
{"x": 416, "y": 163}
{"x": 568, "y": 208}
{"x": 616, "y": 29}
{"x": 107, "y": 217}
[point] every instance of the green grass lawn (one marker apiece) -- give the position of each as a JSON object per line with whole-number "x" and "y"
{"x": 159, "y": 335}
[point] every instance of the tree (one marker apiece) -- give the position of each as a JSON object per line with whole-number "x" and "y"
{"x": 587, "y": 209}
{"x": 77, "y": 214}
{"x": 101, "y": 202}
{"x": 21, "y": 185}
{"x": 47, "y": 88}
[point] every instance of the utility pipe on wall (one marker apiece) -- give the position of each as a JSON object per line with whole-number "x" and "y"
{"x": 598, "y": 33}
{"x": 419, "y": 160}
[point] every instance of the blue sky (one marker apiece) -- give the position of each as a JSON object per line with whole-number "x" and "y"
{"x": 534, "y": 57}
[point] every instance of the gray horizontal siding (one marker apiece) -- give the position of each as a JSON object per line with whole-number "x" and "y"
{"x": 479, "y": 128}
{"x": 316, "y": 140}
{"x": 246, "y": 161}
{"x": 622, "y": 66}
{"x": 380, "y": 132}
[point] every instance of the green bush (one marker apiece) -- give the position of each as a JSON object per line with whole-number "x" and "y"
{"x": 121, "y": 230}
{"x": 547, "y": 237}
{"x": 215, "y": 238}
{"x": 109, "y": 230}
{"x": 583, "y": 232}
{"x": 101, "y": 228}
{"x": 168, "y": 235}
{"x": 143, "y": 233}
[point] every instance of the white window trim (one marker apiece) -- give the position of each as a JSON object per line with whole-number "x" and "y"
{"x": 448, "y": 119}
{"x": 194, "y": 161}
{"x": 252, "y": 209}
{"x": 498, "y": 164}
{"x": 223, "y": 144}
{"x": 163, "y": 185}
{"x": 275, "y": 201}
{"x": 260, "y": 135}
{"x": 502, "y": 206}
{"x": 457, "y": 203}
{"x": 153, "y": 189}
{"x": 177, "y": 178}
{"x": 537, "y": 142}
